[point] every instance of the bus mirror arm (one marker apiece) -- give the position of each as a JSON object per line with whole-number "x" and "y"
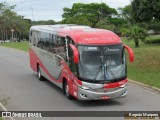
{"x": 130, "y": 52}
{"x": 75, "y": 52}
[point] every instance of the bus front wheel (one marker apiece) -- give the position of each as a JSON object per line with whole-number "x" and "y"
{"x": 40, "y": 77}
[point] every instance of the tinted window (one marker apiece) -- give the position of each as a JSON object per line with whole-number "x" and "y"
{"x": 53, "y": 43}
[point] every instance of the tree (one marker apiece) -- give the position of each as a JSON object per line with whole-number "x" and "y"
{"x": 5, "y": 14}
{"x": 137, "y": 33}
{"x": 118, "y": 22}
{"x": 76, "y": 20}
{"x": 122, "y": 21}
{"x": 145, "y": 10}
{"x": 43, "y": 22}
{"x": 124, "y": 31}
{"x": 10, "y": 20}
{"x": 90, "y": 14}
{"x": 21, "y": 26}
{"x": 126, "y": 14}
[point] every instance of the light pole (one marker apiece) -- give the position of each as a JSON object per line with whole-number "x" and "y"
{"x": 32, "y": 14}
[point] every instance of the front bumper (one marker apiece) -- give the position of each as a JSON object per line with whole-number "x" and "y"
{"x": 91, "y": 95}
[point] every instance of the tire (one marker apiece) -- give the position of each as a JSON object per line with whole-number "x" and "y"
{"x": 40, "y": 77}
{"x": 66, "y": 91}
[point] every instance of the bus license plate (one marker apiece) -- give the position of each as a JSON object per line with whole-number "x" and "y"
{"x": 104, "y": 97}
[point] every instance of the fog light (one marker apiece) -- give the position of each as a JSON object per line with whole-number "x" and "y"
{"x": 83, "y": 95}
{"x": 124, "y": 93}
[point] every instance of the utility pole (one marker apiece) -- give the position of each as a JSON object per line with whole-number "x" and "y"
{"x": 32, "y": 14}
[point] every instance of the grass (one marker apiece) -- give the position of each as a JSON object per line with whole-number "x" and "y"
{"x": 1, "y": 118}
{"x": 146, "y": 67}
{"x": 18, "y": 45}
{"x": 154, "y": 39}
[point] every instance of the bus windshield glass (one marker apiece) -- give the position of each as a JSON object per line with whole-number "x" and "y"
{"x": 102, "y": 63}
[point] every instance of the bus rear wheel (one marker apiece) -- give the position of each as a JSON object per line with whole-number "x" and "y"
{"x": 40, "y": 77}
{"x": 66, "y": 91}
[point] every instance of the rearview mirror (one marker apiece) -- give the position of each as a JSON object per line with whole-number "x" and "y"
{"x": 130, "y": 52}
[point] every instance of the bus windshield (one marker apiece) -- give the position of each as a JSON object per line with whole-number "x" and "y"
{"x": 102, "y": 63}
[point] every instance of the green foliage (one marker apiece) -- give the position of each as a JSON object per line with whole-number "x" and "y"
{"x": 10, "y": 20}
{"x": 43, "y": 22}
{"x": 124, "y": 31}
{"x": 153, "y": 25}
{"x": 76, "y": 20}
{"x": 126, "y": 14}
{"x": 118, "y": 22}
{"x": 145, "y": 10}
{"x": 105, "y": 24}
{"x": 137, "y": 33}
{"x": 152, "y": 40}
{"x": 89, "y": 14}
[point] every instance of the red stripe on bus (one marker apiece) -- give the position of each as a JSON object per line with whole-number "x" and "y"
{"x": 114, "y": 85}
{"x": 35, "y": 59}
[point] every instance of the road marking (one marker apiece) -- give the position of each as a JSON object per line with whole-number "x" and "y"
{"x": 2, "y": 106}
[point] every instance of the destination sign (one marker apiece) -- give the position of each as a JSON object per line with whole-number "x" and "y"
{"x": 99, "y": 38}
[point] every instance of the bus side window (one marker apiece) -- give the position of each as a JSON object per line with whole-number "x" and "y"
{"x": 33, "y": 38}
{"x": 40, "y": 41}
{"x": 52, "y": 42}
{"x": 60, "y": 47}
{"x": 50, "y": 47}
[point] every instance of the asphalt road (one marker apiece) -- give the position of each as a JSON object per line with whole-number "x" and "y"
{"x": 22, "y": 90}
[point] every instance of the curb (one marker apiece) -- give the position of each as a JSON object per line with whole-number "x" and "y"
{"x": 155, "y": 89}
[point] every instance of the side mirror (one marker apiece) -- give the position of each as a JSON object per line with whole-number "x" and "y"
{"x": 75, "y": 53}
{"x": 131, "y": 53}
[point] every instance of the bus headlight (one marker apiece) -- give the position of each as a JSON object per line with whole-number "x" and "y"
{"x": 85, "y": 88}
{"x": 124, "y": 85}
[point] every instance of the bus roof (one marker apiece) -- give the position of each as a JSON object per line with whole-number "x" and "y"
{"x": 81, "y": 34}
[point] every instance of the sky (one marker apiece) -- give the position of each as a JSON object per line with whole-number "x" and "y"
{"x": 53, "y": 9}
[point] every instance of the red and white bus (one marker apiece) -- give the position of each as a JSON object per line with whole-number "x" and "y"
{"x": 87, "y": 63}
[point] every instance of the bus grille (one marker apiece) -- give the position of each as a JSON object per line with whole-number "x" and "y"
{"x": 102, "y": 90}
